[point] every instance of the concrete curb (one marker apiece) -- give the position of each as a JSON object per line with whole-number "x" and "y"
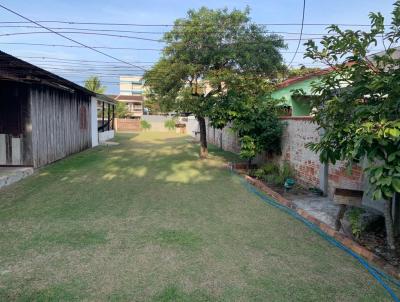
{"x": 15, "y": 176}
{"x": 346, "y": 241}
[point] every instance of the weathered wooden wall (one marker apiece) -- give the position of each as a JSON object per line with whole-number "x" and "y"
{"x": 15, "y": 127}
{"x": 60, "y": 123}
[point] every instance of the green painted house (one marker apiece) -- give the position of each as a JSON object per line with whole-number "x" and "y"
{"x": 299, "y": 104}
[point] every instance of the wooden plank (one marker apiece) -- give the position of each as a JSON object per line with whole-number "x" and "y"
{"x": 16, "y": 156}
{"x": 8, "y": 149}
{"x": 3, "y": 159}
{"x": 56, "y": 124}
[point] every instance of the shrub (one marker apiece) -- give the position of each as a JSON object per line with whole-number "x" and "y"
{"x": 286, "y": 170}
{"x": 121, "y": 110}
{"x": 170, "y": 124}
{"x": 270, "y": 168}
{"x": 247, "y": 148}
{"x": 273, "y": 174}
{"x": 355, "y": 220}
{"x": 145, "y": 125}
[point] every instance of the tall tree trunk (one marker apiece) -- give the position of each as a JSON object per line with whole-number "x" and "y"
{"x": 396, "y": 214}
{"x": 389, "y": 223}
{"x": 249, "y": 164}
{"x": 203, "y": 137}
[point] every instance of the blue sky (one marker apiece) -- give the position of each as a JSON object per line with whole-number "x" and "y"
{"x": 153, "y": 12}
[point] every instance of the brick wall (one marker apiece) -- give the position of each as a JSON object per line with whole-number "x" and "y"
{"x": 132, "y": 125}
{"x": 298, "y": 132}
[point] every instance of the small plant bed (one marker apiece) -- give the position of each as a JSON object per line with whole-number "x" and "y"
{"x": 275, "y": 177}
{"x": 368, "y": 229}
{"x": 364, "y": 226}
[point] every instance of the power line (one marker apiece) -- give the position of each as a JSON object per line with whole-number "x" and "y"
{"x": 301, "y": 33}
{"x": 182, "y": 25}
{"x": 133, "y": 37}
{"x": 147, "y": 32}
{"x": 78, "y": 46}
{"x": 65, "y": 37}
{"x": 80, "y": 33}
{"x": 79, "y": 60}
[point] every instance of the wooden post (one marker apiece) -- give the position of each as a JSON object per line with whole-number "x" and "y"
{"x": 108, "y": 117}
{"x": 113, "y": 116}
{"x": 102, "y": 117}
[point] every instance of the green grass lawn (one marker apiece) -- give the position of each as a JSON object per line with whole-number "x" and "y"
{"x": 148, "y": 221}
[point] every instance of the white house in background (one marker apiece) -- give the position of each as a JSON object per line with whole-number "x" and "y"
{"x": 134, "y": 104}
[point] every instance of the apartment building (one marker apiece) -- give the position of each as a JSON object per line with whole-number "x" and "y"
{"x": 131, "y": 93}
{"x": 131, "y": 85}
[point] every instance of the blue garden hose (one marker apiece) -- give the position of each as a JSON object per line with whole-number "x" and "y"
{"x": 376, "y": 273}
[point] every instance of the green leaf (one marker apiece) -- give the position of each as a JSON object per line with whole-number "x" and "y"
{"x": 396, "y": 184}
{"x": 392, "y": 157}
{"x": 394, "y": 132}
{"x": 377, "y": 194}
{"x": 378, "y": 172}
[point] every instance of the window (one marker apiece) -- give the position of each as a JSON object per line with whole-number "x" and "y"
{"x": 83, "y": 118}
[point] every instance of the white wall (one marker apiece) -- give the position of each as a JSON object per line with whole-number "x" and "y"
{"x": 192, "y": 126}
{"x": 156, "y": 122}
{"x": 93, "y": 121}
{"x": 106, "y": 135}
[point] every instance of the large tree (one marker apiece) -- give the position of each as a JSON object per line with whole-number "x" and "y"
{"x": 93, "y": 83}
{"x": 359, "y": 104}
{"x": 203, "y": 55}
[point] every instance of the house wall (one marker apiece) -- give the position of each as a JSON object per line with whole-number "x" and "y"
{"x": 61, "y": 123}
{"x": 299, "y": 108}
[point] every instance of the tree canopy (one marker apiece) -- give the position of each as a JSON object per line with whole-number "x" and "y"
{"x": 359, "y": 103}
{"x": 206, "y": 55}
{"x": 93, "y": 83}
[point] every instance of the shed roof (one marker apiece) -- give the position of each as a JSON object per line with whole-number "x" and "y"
{"x": 14, "y": 69}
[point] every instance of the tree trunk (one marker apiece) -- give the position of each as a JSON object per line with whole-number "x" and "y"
{"x": 396, "y": 214}
{"x": 389, "y": 224}
{"x": 203, "y": 137}
{"x": 248, "y": 164}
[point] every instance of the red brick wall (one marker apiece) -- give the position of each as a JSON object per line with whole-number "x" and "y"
{"x": 298, "y": 132}
{"x": 127, "y": 124}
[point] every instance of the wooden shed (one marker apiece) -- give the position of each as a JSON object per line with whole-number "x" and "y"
{"x": 43, "y": 117}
